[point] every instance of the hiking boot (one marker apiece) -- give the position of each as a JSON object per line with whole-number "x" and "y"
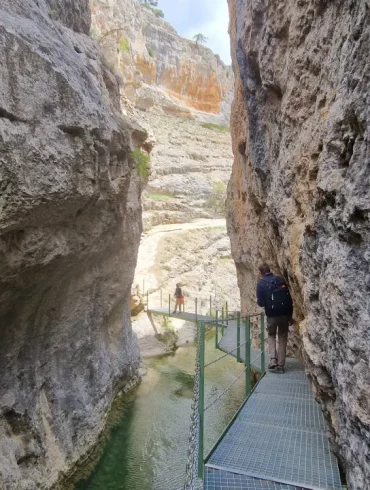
{"x": 272, "y": 365}
{"x": 280, "y": 370}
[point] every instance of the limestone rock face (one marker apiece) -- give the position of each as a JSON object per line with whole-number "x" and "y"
{"x": 190, "y": 168}
{"x": 299, "y": 193}
{"x": 172, "y": 87}
{"x": 161, "y": 70}
{"x": 70, "y": 223}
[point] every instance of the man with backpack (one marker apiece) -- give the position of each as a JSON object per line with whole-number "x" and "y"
{"x": 273, "y": 294}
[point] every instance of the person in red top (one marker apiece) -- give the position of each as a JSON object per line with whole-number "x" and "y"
{"x": 179, "y": 299}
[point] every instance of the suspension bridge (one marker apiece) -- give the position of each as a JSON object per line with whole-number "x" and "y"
{"x": 277, "y": 439}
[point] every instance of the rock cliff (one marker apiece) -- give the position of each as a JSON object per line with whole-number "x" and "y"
{"x": 70, "y": 224}
{"x": 299, "y": 193}
{"x": 161, "y": 69}
{"x": 173, "y": 87}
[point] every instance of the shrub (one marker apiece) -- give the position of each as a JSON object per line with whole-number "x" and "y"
{"x": 216, "y": 127}
{"x": 142, "y": 162}
{"x": 154, "y": 196}
{"x": 95, "y": 33}
{"x": 216, "y": 200}
{"x": 151, "y": 52}
{"x": 124, "y": 45}
{"x": 158, "y": 13}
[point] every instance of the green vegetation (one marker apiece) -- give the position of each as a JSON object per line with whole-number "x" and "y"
{"x": 53, "y": 13}
{"x": 151, "y": 52}
{"x": 216, "y": 127}
{"x": 95, "y": 33}
{"x": 142, "y": 162}
{"x": 154, "y": 196}
{"x": 200, "y": 39}
{"x": 152, "y": 5}
{"x": 124, "y": 45}
{"x": 216, "y": 200}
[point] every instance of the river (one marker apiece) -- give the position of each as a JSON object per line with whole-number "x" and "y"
{"x": 147, "y": 448}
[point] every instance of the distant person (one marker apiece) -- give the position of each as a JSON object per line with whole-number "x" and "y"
{"x": 273, "y": 294}
{"x": 179, "y": 299}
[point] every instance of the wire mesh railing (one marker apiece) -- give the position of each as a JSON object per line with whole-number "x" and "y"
{"x": 195, "y": 464}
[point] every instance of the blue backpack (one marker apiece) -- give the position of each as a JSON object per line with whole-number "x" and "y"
{"x": 278, "y": 301}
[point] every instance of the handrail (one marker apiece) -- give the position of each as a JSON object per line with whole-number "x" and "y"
{"x": 195, "y": 469}
{"x": 211, "y": 299}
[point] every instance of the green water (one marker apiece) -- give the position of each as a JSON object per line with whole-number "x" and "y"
{"x": 147, "y": 448}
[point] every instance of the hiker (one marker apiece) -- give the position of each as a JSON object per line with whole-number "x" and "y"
{"x": 273, "y": 294}
{"x": 179, "y": 298}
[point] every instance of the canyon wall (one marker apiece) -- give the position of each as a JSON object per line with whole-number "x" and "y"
{"x": 177, "y": 90}
{"x": 300, "y": 192}
{"x": 160, "y": 69}
{"x": 70, "y": 224}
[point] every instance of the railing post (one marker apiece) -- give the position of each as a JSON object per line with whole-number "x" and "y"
{"x": 227, "y": 314}
{"x": 263, "y": 369}
{"x": 169, "y": 304}
{"x": 248, "y": 383}
{"x": 196, "y": 309}
{"x": 238, "y": 337}
{"x": 216, "y": 341}
{"x": 210, "y": 306}
{"x": 201, "y": 401}
{"x": 161, "y": 298}
{"x": 222, "y": 319}
{"x": 217, "y": 319}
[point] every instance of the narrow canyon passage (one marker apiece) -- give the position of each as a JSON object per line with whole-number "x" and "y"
{"x": 133, "y": 159}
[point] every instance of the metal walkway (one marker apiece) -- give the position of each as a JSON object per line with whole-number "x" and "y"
{"x": 277, "y": 441}
{"x": 190, "y": 317}
{"x": 228, "y": 342}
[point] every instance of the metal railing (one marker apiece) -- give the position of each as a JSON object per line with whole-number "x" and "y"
{"x": 192, "y": 304}
{"x": 196, "y": 460}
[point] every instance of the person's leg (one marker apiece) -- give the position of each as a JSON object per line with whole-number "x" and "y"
{"x": 283, "y": 331}
{"x": 271, "y": 330}
{"x": 176, "y": 303}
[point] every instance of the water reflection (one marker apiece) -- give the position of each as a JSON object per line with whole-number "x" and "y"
{"x": 147, "y": 449}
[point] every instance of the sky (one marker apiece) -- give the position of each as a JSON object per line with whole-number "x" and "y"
{"x": 210, "y": 17}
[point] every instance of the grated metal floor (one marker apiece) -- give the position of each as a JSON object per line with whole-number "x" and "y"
{"x": 217, "y": 479}
{"x": 228, "y": 343}
{"x": 279, "y": 435}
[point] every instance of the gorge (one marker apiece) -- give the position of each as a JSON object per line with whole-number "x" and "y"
{"x": 89, "y": 90}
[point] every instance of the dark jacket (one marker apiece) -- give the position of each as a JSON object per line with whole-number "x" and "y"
{"x": 178, "y": 292}
{"x": 262, "y": 289}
